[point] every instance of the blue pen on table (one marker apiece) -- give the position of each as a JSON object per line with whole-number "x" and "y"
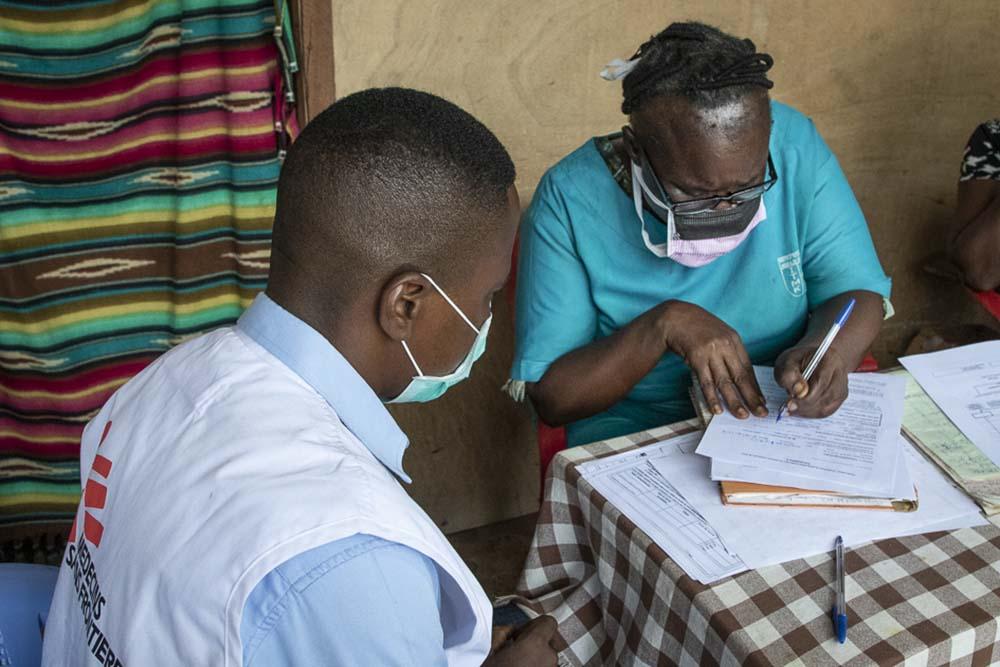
{"x": 823, "y": 347}
{"x": 840, "y": 607}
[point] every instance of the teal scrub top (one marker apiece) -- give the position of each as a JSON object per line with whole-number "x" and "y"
{"x": 584, "y": 271}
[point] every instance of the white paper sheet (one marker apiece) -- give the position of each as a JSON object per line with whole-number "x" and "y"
{"x": 764, "y": 536}
{"x": 857, "y": 446}
{"x": 902, "y": 484}
{"x": 631, "y": 482}
{"x": 965, "y": 384}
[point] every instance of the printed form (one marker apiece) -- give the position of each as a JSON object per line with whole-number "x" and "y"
{"x": 902, "y": 484}
{"x": 664, "y": 488}
{"x": 857, "y": 448}
{"x": 631, "y": 482}
{"x": 931, "y": 430}
{"x": 763, "y": 536}
{"x": 965, "y": 384}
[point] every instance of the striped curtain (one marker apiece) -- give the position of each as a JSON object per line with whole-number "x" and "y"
{"x": 139, "y": 155}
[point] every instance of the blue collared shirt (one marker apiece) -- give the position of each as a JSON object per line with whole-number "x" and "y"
{"x": 360, "y": 600}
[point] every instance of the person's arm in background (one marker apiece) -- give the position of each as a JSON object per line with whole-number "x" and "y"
{"x": 975, "y": 238}
{"x": 570, "y": 374}
{"x": 975, "y": 245}
{"x": 839, "y": 262}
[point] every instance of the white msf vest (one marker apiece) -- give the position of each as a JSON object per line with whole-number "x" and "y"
{"x": 201, "y": 475}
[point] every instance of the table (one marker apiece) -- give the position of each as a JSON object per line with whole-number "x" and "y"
{"x": 620, "y": 600}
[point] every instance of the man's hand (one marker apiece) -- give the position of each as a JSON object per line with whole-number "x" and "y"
{"x": 827, "y": 388}
{"x": 715, "y": 352}
{"x": 501, "y": 633}
{"x": 529, "y": 646}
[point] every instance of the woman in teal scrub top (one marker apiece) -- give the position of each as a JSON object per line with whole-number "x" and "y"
{"x": 716, "y": 231}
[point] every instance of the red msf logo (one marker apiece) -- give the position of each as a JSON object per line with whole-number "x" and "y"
{"x": 95, "y": 496}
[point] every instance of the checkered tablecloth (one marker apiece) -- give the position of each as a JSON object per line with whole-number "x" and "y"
{"x": 620, "y": 600}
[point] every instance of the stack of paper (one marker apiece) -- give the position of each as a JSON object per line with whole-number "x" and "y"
{"x": 852, "y": 458}
{"x": 665, "y": 490}
{"x": 964, "y": 384}
{"x": 765, "y": 536}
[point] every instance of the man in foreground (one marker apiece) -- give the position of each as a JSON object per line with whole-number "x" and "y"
{"x": 241, "y": 504}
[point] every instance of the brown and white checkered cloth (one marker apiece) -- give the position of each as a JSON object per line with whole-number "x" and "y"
{"x": 620, "y": 600}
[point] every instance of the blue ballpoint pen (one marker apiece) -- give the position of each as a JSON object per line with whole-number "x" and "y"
{"x": 840, "y": 608}
{"x": 823, "y": 347}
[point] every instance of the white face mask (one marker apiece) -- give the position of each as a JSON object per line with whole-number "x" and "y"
{"x": 691, "y": 253}
{"x": 423, "y": 388}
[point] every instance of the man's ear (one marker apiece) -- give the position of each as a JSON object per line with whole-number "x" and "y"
{"x": 630, "y": 143}
{"x": 402, "y": 301}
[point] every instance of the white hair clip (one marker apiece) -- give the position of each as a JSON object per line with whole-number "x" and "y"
{"x": 618, "y": 69}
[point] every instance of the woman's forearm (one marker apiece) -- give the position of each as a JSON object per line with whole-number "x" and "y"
{"x": 594, "y": 377}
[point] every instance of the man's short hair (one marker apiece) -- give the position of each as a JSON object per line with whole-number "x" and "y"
{"x": 384, "y": 180}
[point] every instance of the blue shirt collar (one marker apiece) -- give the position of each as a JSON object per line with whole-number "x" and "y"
{"x": 315, "y": 360}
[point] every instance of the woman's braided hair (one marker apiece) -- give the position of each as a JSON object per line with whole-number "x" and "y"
{"x": 698, "y": 62}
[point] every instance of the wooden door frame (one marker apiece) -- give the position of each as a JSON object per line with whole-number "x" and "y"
{"x": 315, "y": 88}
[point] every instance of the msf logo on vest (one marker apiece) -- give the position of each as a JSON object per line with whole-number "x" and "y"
{"x": 95, "y": 495}
{"x": 80, "y": 561}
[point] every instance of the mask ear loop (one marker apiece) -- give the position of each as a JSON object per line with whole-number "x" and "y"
{"x": 649, "y": 193}
{"x": 406, "y": 348}
{"x": 451, "y": 303}
{"x": 657, "y": 250}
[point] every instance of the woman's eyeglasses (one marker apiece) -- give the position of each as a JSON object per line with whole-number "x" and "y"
{"x": 706, "y": 204}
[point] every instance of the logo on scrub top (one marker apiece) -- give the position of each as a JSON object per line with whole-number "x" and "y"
{"x": 790, "y": 266}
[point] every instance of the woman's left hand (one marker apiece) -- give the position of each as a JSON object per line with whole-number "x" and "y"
{"x": 826, "y": 389}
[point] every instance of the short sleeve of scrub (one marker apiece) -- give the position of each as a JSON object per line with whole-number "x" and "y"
{"x": 555, "y": 311}
{"x": 838, "y": 254}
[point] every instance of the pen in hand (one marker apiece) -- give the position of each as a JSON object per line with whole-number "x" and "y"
{"x": 823, "y": 347}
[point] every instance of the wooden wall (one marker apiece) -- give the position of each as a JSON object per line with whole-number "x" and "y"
{"x": 895, "y": 86}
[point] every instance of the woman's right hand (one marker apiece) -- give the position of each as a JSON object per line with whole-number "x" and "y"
{"x": 715, "y": 352}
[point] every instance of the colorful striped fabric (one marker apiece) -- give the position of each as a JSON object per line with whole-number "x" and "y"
{"x": 139, "y": 148}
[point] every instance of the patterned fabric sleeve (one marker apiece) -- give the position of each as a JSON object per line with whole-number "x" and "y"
{"x": 982, "y": 154}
